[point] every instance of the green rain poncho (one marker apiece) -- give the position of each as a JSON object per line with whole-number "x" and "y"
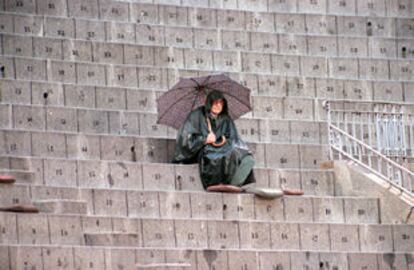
{"x": 229, "y": 164}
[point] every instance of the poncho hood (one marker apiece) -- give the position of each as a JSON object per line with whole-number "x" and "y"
{"x": 213, "y": 96}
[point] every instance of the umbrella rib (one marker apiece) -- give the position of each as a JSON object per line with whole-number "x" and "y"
{"x": 195, "y": 99}
{"x": 198, "y": 85}
{"x": 180, "y": 88}
{"x": 226, "y": 80}
{"x": 185, "y": 87}
{"x": 166, "y": 110}
{"x": 206, "y": 80}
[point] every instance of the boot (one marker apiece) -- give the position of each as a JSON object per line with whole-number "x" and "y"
{"x": 294, "y": 192}
{"x": 262, "y": 192}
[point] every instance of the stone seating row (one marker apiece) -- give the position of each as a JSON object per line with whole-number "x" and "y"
{"x": 50, "y": 257}
{"x": 202, "y": 56}
{"x": 109, "y": 122}
{"x": 136, "y": 148}
{"x": 115, "y": 101}
{"x": 50, "y": 176}
{"x": 118, "y": 98}
{"x": 68, "y": 230}
{"x": 144, "y": 100}
{"x": 259, "y": 239}
{"x": 101, "y": 121}
{"x": 251, "y": 129}
{"x": 150, "y": 203}
{"x": 345, "y": 7}
{"x": 95, "y": 121}
{"x": 55, "y": 178}
{"x": 98, "y": 30}
{"x": 15, "y": 196}
{"x": 379, "y": 46}
{"x": 199, "y": 205}
{"x": 171, "y": 10}
{"x": 150, "y": 77}
{"x": 313, "y": 237}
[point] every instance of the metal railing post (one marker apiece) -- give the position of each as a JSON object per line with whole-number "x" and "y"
{"x": 331, "y": 138}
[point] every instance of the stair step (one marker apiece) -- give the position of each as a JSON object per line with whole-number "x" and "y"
{"x": 117, "y": 239}
{"x": 194, "y": 204}
{"x": 280, "y": 155}
{"x": 62, "y": 206}
{"x": 44, "y": 193}
{"x": 163, "y": 266}
{"x": 14, "y": 194}
{"x": 94, "y": 173}
{"x": 131, "y": 258}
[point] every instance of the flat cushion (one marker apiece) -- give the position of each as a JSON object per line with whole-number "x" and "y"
{"x": 224, "y": 188}
{"x": 6, "y": 179}
{"x": 20, "y": 208}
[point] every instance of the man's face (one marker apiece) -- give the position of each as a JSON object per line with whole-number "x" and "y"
{"x": 217, "y": 106}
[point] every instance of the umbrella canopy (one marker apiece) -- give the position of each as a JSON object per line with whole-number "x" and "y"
{"x": 189, "y": 93}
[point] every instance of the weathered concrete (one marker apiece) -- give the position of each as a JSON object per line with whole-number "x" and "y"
{"x": 353, "y": 180}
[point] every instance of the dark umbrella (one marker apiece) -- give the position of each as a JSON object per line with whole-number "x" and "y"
{"x": 189, "y": 93}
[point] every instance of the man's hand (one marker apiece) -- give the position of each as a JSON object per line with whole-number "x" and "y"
{"x": 211, "y": 138}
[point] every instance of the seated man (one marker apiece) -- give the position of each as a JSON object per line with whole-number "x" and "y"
{"x": 209, "y": 137}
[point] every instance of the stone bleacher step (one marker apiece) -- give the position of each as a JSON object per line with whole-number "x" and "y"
{"x": 170, "y": 266}
{"x": 193, "y": 204}
{"x": 184, "y": 205}
{"x": 78, "y": 120}
{"x": 59, "y": 206}
{"x": 183, "y": 13}
{"x": 62, "y": 173}
{"x": 147, "y": 149}
{"x": 230, "y": 36}
{"x": 80, "y": 257}
{"x": 15, "y": 198}
{"x": 25, "y": 92}
{"x": 114, "y": 239}
{"x": 255, "y": 236}
{"x": 69, "y": 230}
{"x": 14, "y": 195}
{"x": 40, "y": 193}
{"x": 20, "y": 176}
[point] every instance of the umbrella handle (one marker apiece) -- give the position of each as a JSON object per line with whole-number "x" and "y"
{"x": 223, "y": 139}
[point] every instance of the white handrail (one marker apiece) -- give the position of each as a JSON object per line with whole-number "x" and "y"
{"x": 372, "y": 170}
{"x": 349, "y": 146}
{"x": 367, "y": 112}
{"x": 370, "y": 148}
{"x": 384, "y": 126}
